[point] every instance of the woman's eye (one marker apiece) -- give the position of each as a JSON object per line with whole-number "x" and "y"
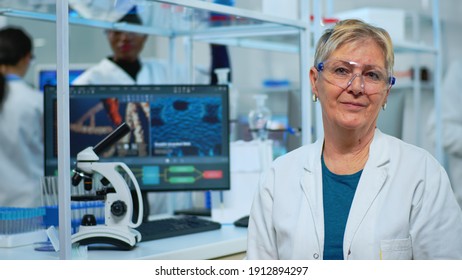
{"x": 341, "y": 71}
{"x": 373, "y": 76}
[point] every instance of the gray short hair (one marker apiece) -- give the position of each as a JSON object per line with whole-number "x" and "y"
{"x": 354, "y": 30}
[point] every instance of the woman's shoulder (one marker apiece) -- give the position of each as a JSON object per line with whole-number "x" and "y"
{"x": 406, "y": 151}
{"x": 405, "y": 146}
{"x": 24, "y": 93}
{"x": 101, "y": 73}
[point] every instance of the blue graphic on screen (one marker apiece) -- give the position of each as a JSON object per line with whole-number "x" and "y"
{"x": 188, "y": 126}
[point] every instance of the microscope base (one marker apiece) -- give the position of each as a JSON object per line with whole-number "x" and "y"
{"x": 124, "y": 238}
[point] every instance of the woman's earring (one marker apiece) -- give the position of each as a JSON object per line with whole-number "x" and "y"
{"x": 384, "y": 106}
{"x": 315, "y": 98}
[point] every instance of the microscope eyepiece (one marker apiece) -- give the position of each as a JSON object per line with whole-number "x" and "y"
{"x": 112, "y": 138}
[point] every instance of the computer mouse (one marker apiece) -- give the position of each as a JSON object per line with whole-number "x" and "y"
{"x": 242, "y": 222}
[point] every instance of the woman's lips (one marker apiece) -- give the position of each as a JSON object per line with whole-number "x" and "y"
{"x": 125, "y": 48}
{"x": 353, "y": 105}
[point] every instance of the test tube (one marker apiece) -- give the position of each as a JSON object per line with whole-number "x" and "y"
{"x": 49, "y": 190}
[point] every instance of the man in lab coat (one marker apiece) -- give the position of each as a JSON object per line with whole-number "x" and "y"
{"x": 452, "y": 126}
{"x": 21, "y": 124}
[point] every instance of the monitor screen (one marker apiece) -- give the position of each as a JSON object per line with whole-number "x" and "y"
{"x": 179, "y": 139}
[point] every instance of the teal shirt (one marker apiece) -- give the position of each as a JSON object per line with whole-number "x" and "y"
{"x": 338, "y": 193}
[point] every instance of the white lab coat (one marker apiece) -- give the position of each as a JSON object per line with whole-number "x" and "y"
{"x": 107, "y": 72}
{"x": 451, "y": 114}
{"x": 403, "y": 207}
{"x": 152, "y": 71}
{"x": 21, "y": 149}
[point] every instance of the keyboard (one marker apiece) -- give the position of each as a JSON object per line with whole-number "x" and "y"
{"x": 175, "y": 226}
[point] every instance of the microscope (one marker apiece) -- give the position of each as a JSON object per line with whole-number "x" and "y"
{"x": 118, "y": 229}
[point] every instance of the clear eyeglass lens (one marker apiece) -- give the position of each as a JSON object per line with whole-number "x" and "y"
{"x": 344, "y": 73}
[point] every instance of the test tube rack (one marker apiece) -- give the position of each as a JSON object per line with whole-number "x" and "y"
{"x": 21, "y": 226}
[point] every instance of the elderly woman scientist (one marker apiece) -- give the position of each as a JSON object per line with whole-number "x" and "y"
{"x": 357, "y": 193}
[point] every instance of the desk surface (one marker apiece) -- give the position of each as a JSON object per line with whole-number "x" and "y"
{"x": 205, "y": 245}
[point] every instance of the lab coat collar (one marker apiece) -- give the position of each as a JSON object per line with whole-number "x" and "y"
{"x": 378, "y": 152}
{"x": 372, "y": 180}
{"x": 118, "y": 74}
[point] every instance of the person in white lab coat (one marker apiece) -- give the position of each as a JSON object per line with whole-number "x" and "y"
{"x": 356, "y": 193}
{"x": 124, "y": 66}
{"x": 21, "y": 124}
{"x": 452, "y": 125}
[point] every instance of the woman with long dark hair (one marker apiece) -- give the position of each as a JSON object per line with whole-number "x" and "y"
{"x": 21, "y": 123}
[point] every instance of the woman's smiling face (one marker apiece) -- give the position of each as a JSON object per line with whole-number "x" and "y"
{"x": 353, "y": 106}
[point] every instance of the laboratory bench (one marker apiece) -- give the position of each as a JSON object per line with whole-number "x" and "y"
{"x": 229, "y": 242}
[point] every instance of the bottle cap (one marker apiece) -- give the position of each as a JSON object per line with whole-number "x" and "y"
{"x": 222, "y": 75}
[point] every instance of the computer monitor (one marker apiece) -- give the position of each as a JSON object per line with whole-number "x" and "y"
{"x": 179, "y": 139}
{"x": 46, "y": 74}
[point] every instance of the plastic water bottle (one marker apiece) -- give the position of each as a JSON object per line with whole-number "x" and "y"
{"x": 259, "y": 118}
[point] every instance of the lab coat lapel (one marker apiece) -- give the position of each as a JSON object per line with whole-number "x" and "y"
{"x": 117, "y": 74}
{"x": 372, "y": 180}
{"x": 311, "y": 184}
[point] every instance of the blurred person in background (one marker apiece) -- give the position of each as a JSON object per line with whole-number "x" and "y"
{"x": 451, "y": 116}
{"x": 21, "y": 124}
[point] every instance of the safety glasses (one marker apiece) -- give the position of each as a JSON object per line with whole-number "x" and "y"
{"x": 373, "y": 79}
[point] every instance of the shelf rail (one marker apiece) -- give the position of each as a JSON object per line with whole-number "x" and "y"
{"x": 64, "y": 177}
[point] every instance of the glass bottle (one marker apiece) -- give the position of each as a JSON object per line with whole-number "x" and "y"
{"x": 259, "y": 118}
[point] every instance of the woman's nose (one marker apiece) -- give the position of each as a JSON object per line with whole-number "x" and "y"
{"x": 356, "y": 86}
